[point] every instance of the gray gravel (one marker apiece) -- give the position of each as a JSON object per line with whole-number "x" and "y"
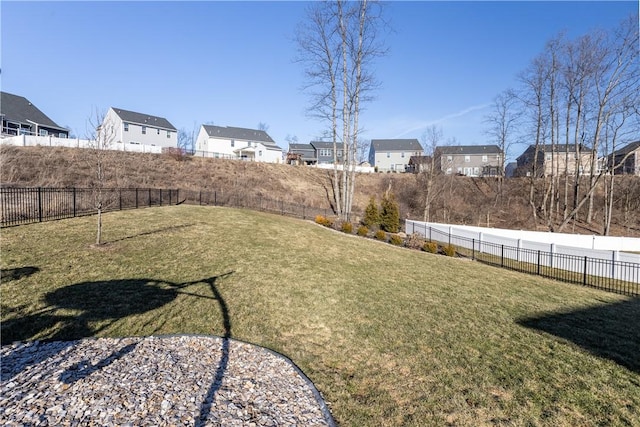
{"x": 160, "y": 381}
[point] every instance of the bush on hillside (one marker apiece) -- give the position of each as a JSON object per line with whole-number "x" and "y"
{"x": 381, "y": 235}
{"x": 322, "y": 220}
{"x": 363, "y": 231}
{"x": 449, "y": 250}
{"x": 347, "y": 227}
{"x": 390, "y": 214}
{"x": 396, "y": 240}
{"x": 371, "y": 214}
{"x": 431, "y": 247}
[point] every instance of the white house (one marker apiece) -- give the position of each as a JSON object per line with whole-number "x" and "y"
{"x": 133, "y": 129}
{"x": 393, "y": 154}
{"x": 237, "y": 143}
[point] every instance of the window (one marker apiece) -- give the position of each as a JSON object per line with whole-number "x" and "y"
{"x": 62, "y": 135}
{"x": 260, "y": 153}
{"x": 126, "y": 127}
{"x": 484, "y": 158}
{"x": 325, "y": 152}
{"x": 168, "y": 134}
{"x": 460, "y": 170}
{"x": 467, "y": 159}
{"x": 158, "y": 131}
{"x": 449, "y": 158}
{"x": 448, "y": 171}
{"x": 548, "y": 156}
{"x": 233, "y": 143}
{"x": 339, "y": 153}
{"x": 144, "y": 130}
{"x": 388, "y": 155}
{"x": 402, "y": 154}
{"x": 43, "y": 132}
{"x": 249, "y": 143}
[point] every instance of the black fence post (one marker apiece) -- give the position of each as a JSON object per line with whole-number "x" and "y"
{"x": 161, "y": 197}
{"x": 149, "y": 196}
{"x": 473, "y": 249}
{"x": 502, "y": 257}
{"x": 120, "y": 196}
{"x": 136, "y": 197}
{"x": 538, "y": 271}
{"x": 40, "y": 204}
{"x": 303, "y": 212}
{"x": 75, "y": 209}
{"x": 281, "y": 207}
{"x": 200, "y": 198}
{"x": 215, "y": 198}
{"x": 584, "y": 275}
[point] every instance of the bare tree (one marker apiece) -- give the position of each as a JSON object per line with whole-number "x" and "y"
{"x": 99, "y": 156}
{"x": 338, "y": 43}
{"x": 431, "y": 139}
{"x": 502, "y": 125}
{"x": 263, "y": 126}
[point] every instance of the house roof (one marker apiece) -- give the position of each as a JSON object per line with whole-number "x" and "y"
{"x": 469, "y": 149}
{"x": 627, "y": 148}
{"x": 20, "y": 109}
{"x": 143, "y": 119}
{"x": 549, "y": 148}
{"x": 301, "y": 147}
{"x": 396, "y": 145}
{"x": 324, "y": 144}
{"x": 241, "y": 134}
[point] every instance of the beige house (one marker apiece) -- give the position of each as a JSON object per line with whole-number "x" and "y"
{"x": 554, "y": 160}
{"x": 393, "y": 155}
{"x": 133, "y": 129}
{"x": 469, "y": 160}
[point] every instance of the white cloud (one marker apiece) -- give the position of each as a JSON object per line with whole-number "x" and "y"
{"x": 446, "y": 118}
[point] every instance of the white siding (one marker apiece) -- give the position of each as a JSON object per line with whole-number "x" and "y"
{"x": 154, "y": 135}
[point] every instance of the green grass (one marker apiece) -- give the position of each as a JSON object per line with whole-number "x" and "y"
{"x": 389, "y": 336}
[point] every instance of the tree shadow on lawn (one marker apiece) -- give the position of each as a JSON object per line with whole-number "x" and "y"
{"x": 11, "y": 274}
{"x": 105, "y": 301}
{"x": 610, "y": 331}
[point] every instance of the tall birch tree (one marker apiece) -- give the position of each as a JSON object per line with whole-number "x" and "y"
{"x": 337, "y": 44}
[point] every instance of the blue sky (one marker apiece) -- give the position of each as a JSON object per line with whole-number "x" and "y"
{"x": 232, "y": 63}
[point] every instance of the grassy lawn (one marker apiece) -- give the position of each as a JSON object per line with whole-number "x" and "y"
{"x": 389, "y": 336}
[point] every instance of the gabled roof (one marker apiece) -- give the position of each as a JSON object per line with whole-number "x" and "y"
{"x": 242, "y": 134}
{"x": 324, "y": 144}
{"x": 549, "y": 148}
{"x": 627, "y": 148}
{"x": 396, "y": 145}
{"x": 300, "y": 147}
{"x": 143, "y": 119}
{"x": 469, "y": 149}
{"x": 20, "y": 109}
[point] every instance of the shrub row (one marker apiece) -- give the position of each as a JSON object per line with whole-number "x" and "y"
{"x": 413, "y": 241}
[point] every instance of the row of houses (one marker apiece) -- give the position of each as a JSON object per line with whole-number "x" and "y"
{"x": 132, "y": 130}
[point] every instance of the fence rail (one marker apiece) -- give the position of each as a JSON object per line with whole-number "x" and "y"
{"x": 621, "y": 277}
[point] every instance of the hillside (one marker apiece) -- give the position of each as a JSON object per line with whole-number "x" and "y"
{"x": 460, "y": 199}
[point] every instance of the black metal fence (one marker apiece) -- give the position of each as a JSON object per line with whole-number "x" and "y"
{"x": 29, "y": 205}
{"x": 614, "y": 276}
{"x": 254, "y": 202}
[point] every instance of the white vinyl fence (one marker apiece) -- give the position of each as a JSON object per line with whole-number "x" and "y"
{"x": 553, "y": 250}
{"x": 51, "y": 141}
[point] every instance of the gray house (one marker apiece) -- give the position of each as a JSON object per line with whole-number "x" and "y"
{"x": 626, "y": 160}
{"x": 469, "y": 160}
{"x": 393, "y": 154}
{"x": 21, "y": 117}
{"x": 324, "y": 151}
